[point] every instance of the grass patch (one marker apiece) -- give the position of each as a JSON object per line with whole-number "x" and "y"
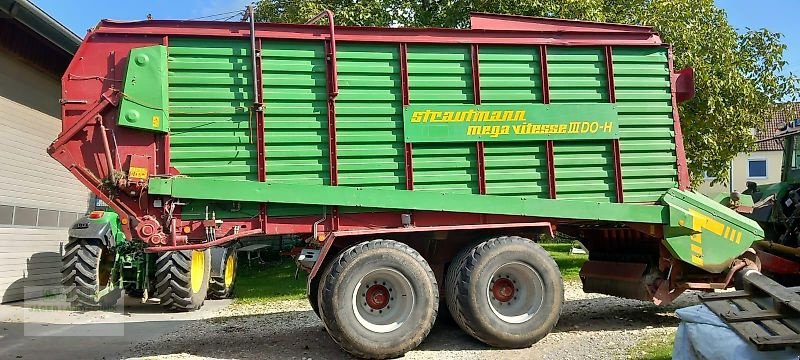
{"x": 272, "y": 282}
{"x": 570, "y": 265}
{"x": 653, "y": 347}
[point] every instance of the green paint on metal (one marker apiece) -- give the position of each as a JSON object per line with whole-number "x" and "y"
{"x": 441, "y": 75}
{"x": 511, "y": 75}
{"x": 647, "y": 144}
{"x": 193, "y": 188}
{"x": 211, "y": 129}
{"x": 523, "y": 122}
{"x": 295, "y": 118}
{"x": 369, "y": 123}
{"x": 705, "y": 233}
{"x": 584, "y": 170}
{"x": 144, "y": 101}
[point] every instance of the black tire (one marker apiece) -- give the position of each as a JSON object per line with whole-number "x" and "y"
{"x": 312, "y": 293}
{"x": 451, "y": 279}
{"x": 359, "y": 331}
{"x": 175, "y": 285}
{"x": 221, "y": 287}
{"x": 523, "y": 278}
{"x": 86, "y": 269}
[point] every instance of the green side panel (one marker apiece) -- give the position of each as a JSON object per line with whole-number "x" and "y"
{"x": 647, "y": 144}
{"x": 191, "y": 188}
{"x": 442, "y": 75}
{"x": 577, "y": 75}
{"x": 518, "y": 169}
{"x": 705, "y": 233}
{"x": 144, "y": 103}
{"x": 210, "y": 91}
{"x": 584, "y": 169}
{"x": 510, "y": 75}
{"x": 295, "y": 117}
{"x": 369, "y": 121}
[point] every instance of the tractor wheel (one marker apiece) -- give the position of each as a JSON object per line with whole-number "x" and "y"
{"x": 86, "y": 275}
{"x": 451, "y": 279}
{"x": 312, "y": 293}
{"x": 508, "y": 292}
{"x": 221, "y": 287}
{"x": 182, "y": 278}
{"x": 379, "y": 299}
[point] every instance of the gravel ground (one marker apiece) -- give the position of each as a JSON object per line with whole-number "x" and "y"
{"x": 591, "y": 326}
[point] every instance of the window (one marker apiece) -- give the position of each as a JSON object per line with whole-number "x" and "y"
{"x": 35, "y": 217}
{"x": 756, "y": 168}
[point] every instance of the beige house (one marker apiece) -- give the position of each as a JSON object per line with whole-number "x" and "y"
{"x": 39, "y": 199}
{"x": 762, "y": 166}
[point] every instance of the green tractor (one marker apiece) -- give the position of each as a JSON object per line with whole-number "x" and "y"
{"x": 776, "y": 207}
{"x": 98, "y": 265}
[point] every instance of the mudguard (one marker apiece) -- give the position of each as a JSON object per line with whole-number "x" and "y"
{"x": 107, "y": 228}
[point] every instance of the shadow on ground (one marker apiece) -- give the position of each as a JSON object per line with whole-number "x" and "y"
{"x": 300, "y": 334}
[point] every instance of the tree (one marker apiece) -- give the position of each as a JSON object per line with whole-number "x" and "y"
{"x": 738, "y": 75}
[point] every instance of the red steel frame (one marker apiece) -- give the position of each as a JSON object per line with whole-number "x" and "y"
{"x": 407, "y": 151}
{"x": 121, "y": 37}
{"x": 549, "y": 151}
{"x": 476, "y": 93}
{"x": 612, "y": 98}
{"x": 680, "y": 151}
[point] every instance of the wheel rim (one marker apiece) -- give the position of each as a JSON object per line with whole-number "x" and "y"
{"x": 197, "y": 268}
{"x": 229, "y": 271}
{"x": 515, "y": 292}
{"x": 383, "y": 300}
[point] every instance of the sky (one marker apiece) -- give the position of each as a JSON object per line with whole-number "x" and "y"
{"x": 80, "y": 15}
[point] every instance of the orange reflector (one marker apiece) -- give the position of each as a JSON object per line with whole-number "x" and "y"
{"x": 187, "y": 229}
{"x": 124, "y": 221}
{"x": 95, "y": 214}
{"x": 321, "y": 237}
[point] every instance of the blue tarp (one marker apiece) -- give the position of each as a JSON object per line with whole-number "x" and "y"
{"x": 703, "y": 335}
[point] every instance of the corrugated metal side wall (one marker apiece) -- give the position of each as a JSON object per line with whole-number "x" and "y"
{"x": 437, "y": 75}
{"x": 210, "y": 93}
{"x": 295, "y": 117}
{"x": 647, "y": 144}
{"x": 584, "y": 169}
{"x": 511, "y": 75}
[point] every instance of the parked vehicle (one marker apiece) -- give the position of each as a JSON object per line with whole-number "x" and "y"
{"x": 421, "y": 165}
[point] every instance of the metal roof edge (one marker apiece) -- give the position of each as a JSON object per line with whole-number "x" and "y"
{"x": 42, "y": 23}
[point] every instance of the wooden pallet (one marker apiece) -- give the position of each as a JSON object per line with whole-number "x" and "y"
{"x": 765, "y": 313}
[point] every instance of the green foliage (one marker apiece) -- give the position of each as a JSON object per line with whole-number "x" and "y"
{"x": 738, "y": 75}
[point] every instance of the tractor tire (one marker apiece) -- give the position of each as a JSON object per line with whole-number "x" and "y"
{"x": 451, "y": 280}
{"x": 378, "y": 299}
{"x": 86, "y": 269}
{"x": 312, "y": 293}
{"x": 509, "y": 293}
{"x": 221, "y": 287}
{"x": 182, "y": 279}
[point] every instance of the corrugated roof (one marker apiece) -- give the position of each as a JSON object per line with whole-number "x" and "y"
{"x": 773, "y": 124}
